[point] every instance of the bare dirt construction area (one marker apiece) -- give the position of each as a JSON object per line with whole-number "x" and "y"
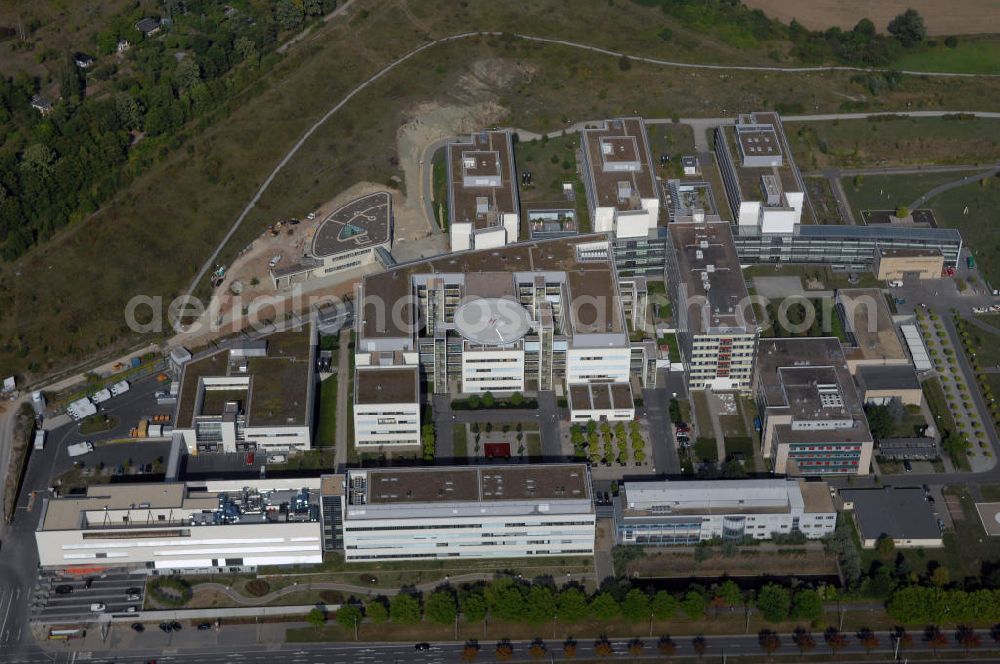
{"x": 959, "y": 17}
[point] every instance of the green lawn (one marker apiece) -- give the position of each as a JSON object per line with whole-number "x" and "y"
{"x": 699, "y": 401}
{"x": 552, "y": 162}
{"x": 326, "y": 424}
{"x": 440, "y": 174}
{"x": 985, "y": 345}
{"x": 674, "y": 140}
{"x": 98, "y": 424}
{"x": 461, "y": 439}
{"x": 887, "y": 192}
{"x": 823, "y": 274}
{"x": 740, "y": 445}
{"x": 824, "y": 203}
{"x": 670, "y": 341}
{"x": 980, "y": 228}
{"x": 534, "y": 444}
{"x": 893, "y": 142}
{"x": 706, "y": 449}
{"x": 972, "y": 56}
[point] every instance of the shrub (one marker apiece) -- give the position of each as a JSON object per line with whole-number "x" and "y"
{"x": 257, "y": 587}
{"x": 170, "y": 591}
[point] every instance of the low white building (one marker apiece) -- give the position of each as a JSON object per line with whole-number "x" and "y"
{"x": 666, "y": 513}
{"x": 386, "y": 406}
{"x": 610, "y": 402}
{"x": 206, "y": 526}
{"x": 257, "y": 395}
{"x": 468, "y": 512}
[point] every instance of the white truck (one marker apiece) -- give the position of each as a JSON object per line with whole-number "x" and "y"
{"x": 895, "y": 284}
{"x": 79, "y": 449}
{"x": 81, "y": 408}
{"x": 39, "y": 439}
{"x": 121, "y": 387}
{"x": 100, "y": 396}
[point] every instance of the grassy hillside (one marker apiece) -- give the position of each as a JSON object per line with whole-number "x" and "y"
{"x": 64, "y": 302}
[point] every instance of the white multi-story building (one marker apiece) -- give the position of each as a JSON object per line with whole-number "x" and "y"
{"x": 764, "y": 188}
{"x": 527, "y": 317}
{"x": 386, "y": 405}
{"x": 618, "y": 176}
{"x": 716, "y": 324}
{"x": 813, "y": 418}
{"x": 483, "y": 208}
{"x": 468, "y": 512}
{"x": 667, "y": 513}
{"x": 255, "y": 395}
{"x": 205, "y": 526}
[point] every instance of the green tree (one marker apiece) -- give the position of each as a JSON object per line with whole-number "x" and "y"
{"x": 128, "y": 111}
{"x": 572, "y": 605}
{"x": 951, "y": 42}
{"x": 664, "y": 605}
{"x": 72, "y": 83}
{"x": 885, "y": 547}
{"x": 774, "y": 602}
{"x": 807, "y": 605}
{"x": 604, "y": 607}
{"x": 693, "y": 605}
{"x": 404, "y": 609}
{"x": 316, "y": 617}
{"x": 377, "y": 611}
{"x": 879, "y": 420}
{"x": 474, "y": 607}
{"x": 516, "y": 399}
{"x": 940, "y": 577}
{"x": 902, "y": 212}
{"x": 635, "y": 606}
{"x": 729, "y": 593}
{"x": 288, "y": 13}
{"x": 506, "y": 600}
{"x": 489, "y": 400}
{"x": 440, "y": 607}
{"x": 540, "y": 605}
{"x": 908, "y": 28}
{"x": 187, "y": 74}
{"x": 349, "y": 616}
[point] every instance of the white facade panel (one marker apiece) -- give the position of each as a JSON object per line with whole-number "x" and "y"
{"x": 493, "y": 370}
{"x": 586, "y": 365}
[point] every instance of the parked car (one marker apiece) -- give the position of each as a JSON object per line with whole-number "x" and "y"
{"x": 423, "y": 646}
{"x": 176, "y": 626}
{"x": 133, "y": 597}
{"x": 139, "y": 627}
{"x": 250, "y": 458}
{"x": 204, "y": 626}
{"x": 97, "y": 607}
{"x": 907, "y": 466}
{"x": 166, "y": 627}
{"x": 274, "y": 261}
{"x": 132, "y": 609}
{"x": 64, "y": 589}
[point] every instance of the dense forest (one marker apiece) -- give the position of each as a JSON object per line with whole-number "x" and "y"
{"x": 114, "y": 117}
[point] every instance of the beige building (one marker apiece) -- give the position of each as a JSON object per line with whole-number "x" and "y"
{"x": 880, "y": 385}
{"x": 813, "y": 419}
{"x": 895, "y": 264}
{"x": 872, "y": 336}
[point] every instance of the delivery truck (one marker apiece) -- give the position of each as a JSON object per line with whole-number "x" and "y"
{"x": 79, "y": 449}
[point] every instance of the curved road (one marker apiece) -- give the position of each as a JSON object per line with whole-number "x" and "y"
{"x": 941, "y": 188}
{"x": 587, "y": 47}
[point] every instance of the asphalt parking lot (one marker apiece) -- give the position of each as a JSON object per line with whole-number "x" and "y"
{"x": 109, "y": 588}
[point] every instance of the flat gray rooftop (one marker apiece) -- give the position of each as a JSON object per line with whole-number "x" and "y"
{"x": 900, "y": 513}
{"x": 710, "y": 270}
{"x": 413, "y": 486}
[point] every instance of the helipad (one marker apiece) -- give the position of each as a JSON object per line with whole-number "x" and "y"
{"x": 492, "y": 321}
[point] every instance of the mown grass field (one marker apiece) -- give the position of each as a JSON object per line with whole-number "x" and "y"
{"x": 887, "y": 192}
{"x": 64, "y": 303}
{"x": 897, "y": 142}
{"x": 979, "y": 227}
{"x": 971, "y": 57}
